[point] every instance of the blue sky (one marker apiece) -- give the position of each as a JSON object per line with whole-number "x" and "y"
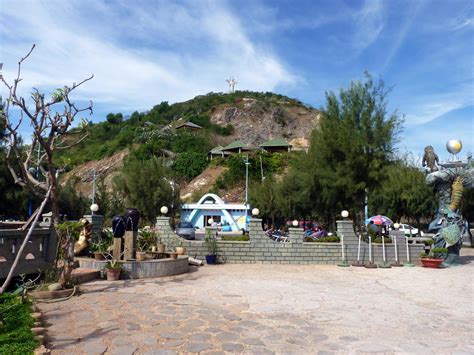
{"x": 145, "y": 52}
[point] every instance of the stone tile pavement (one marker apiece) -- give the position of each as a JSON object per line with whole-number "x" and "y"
{"x": 264, "y": 309}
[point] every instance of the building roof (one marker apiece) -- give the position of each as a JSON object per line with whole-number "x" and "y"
{"x": 236, "y": 145}
{"x": 218, "y": 150}
{"x": 276, "y": 142}
{"x": 211, "y": 201}
{"x": 189, "y": 125}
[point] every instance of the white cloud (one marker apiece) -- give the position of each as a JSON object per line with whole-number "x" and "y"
{"x": 369, "y": 21}
{"x": 425, "y": 108}
{"x": 140, "y": 54}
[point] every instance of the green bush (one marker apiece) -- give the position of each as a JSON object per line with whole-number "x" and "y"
{"x": 236, "y": 238}
{"x": 190, "y": 142}
{"x": 386, "y": 239}
{"x": 15, "y": 327}
{"x": 331, "y": 239}
{"x": 435, "y": 253}
{"x": 190, "y": 164}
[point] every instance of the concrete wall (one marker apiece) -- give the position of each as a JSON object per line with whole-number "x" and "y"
{"x": 261, "y": 249}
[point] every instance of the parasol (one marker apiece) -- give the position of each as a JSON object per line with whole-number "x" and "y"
{"x": 379, "y": 220}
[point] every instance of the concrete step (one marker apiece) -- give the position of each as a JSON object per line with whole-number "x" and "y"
{"x": 82, "y": 275}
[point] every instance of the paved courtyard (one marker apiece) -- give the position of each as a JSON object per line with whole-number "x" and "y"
{"x": 272, "y": 309}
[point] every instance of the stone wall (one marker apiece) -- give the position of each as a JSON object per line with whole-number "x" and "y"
{"x": 142, "y": 269}
{"x": 261, "y": 249}
{"x": 39, "y": 253}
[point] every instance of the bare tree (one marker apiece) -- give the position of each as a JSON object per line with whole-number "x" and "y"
{"x": 50, "y": 133}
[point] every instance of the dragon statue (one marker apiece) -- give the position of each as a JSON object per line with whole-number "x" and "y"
{"x": 450, "y": 181}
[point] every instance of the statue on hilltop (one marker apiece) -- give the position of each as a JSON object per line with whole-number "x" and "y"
{"x": 232, "y": 84}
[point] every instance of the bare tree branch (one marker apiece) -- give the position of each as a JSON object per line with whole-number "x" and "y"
{"x": 48, "y": 128}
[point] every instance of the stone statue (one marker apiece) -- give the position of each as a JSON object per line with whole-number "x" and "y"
{"x": 83, "y": 243}
{"x": 430, "y": 159}
{"x": 449, "y": 225}
{"x": 232, "y": 84}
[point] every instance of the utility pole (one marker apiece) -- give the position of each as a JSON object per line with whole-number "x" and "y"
{"x": 246, "y": 161}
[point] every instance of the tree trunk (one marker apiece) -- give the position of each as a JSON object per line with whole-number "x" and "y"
{"x": 67, "y": 244}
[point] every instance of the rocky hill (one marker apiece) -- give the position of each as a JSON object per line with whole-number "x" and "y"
{"x": 255, "y": 121}
{"x": 251, "y": 117}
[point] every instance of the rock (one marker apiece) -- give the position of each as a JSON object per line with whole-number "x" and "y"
{"x": 37, "y": 316}
{"x": 38, "y": 330}
{"x": 233, "y": 347}
{"x": 198, "y": 347}
{"x": 42, "y": 350}
{"x": 40, "y": 338}
{"x": 54, "y": 287}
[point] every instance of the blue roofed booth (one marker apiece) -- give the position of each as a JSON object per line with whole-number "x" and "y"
{"x": 231, "y": 217}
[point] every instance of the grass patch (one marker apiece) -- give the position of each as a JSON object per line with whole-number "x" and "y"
{"x": 15, "y": 330}
{"x": 236, "y": 238}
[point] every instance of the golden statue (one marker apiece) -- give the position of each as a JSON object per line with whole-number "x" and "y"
{"x": 83, "y": 243}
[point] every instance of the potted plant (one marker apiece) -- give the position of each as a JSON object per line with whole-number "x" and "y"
{"x": 160, "y": 247}
{"x": 434, "y": 258}
{"x": 113, "y": 268}
{"x": 180, "y": 250}
{"x": 145, "y": 241}
{"x": 173, "y": 255}
{"x": 141, "y": 252}
{"x": 212, "y": 248}
{"x": 99, "y": 248}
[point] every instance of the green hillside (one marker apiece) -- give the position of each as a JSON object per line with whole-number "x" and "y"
{"x": 149, "y": 129}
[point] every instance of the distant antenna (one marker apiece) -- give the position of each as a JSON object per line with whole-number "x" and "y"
{"x": 232, "y": 84}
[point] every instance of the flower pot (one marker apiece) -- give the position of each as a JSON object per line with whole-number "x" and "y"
{"x": 99, "y": 256}
{"x": 180, "y": 250}
{"x": 432, "y": 263}
{"x": 211, "y": 259}
{"x": 113, "y": 274}
{"x": 173, "y": 255}
{"x": 160, "y": 248}
{"x": 140, "y": 256}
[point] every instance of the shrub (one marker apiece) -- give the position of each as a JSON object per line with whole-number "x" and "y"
{"x": 236, "y": 238}
{"x": 15, "y": 330}
{"x": 435, "y": 253}
{"x": 387, "y": 240}
{"x": 329, "y": 239}
{"x": 190, "y": 164}
{"x": 211, "y": 243}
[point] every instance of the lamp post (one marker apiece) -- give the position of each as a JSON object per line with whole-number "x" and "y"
{"x": 343, "y": 263}
{"x": 93, "y": 185}
{"x": 164, "y": 210}
{"x": 94, "y": 208}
